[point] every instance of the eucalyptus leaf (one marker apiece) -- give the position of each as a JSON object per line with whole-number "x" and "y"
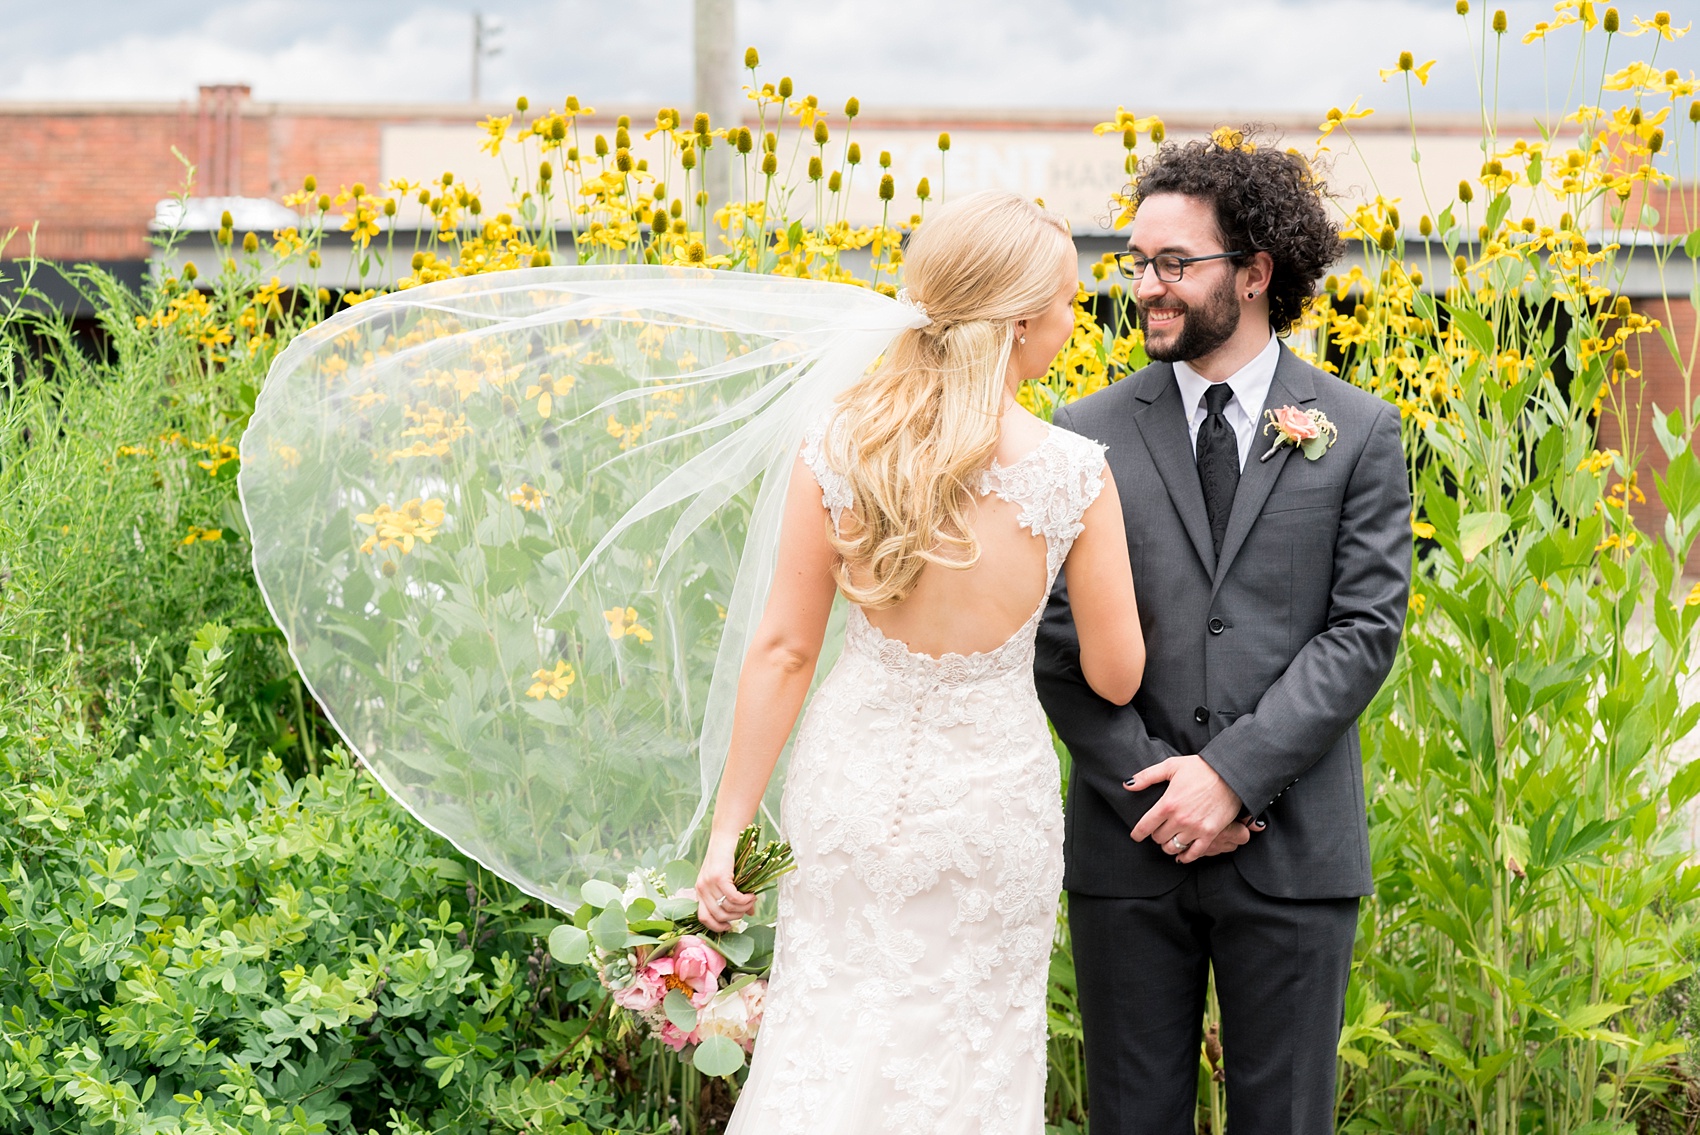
{"x": 718, "y": 1056}
{"x": 569, "y": 945}
{"x": 608, "y": 929}
{"x": 736, "y": 947}
{"x": 599, "y": 894}
{"x": 680, "y": 1011}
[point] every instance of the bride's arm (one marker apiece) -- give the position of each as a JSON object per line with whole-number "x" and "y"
{"x": 1100, "y": 589}
{"x": 775, "y": 679}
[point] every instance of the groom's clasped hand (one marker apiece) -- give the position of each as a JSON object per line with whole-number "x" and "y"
{"x": 1198, "y": 815}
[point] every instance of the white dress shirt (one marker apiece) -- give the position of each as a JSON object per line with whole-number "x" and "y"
{"x": 1251, "y": 389}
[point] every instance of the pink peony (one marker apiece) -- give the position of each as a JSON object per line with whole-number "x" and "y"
{"x": 645, "y": 992}
{"x": 676, "y": 1040}
{"x": 694, "y": 964}
{"x": 1296, "y": 424}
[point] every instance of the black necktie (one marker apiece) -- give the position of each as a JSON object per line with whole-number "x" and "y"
{"x": 1218, "y": 462}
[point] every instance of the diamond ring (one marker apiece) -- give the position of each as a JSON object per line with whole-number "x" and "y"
{"x": 719, "y": 900}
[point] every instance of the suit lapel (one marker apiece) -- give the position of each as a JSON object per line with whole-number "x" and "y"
{"x": 1291, "y": 386}
{"x": 1162, "y": 423}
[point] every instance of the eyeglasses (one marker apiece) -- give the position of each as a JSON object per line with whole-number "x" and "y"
{"x": 1170, "y": 268}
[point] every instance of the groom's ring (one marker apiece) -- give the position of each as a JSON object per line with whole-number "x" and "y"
{"x": 1179, "y": 846}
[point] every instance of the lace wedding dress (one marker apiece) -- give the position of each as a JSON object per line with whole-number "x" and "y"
{"x": 922, "y": 804}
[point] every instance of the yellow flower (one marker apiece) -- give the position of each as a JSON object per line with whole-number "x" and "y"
{"x": 552, "y": 683}
{"x": 497, "y": 129}
{"x": 1406, "y": 64}
{"x": 1418, "y": 602}
{"x": 622, "y": 622}
{"x": 1598, "y": 461}
{"x": 1337, "y": 119}
{"x": 1693, "y": 599}
{"x": 528, "y": 497}
{"x": 206, "y": 535}
{"x": 218, "y": 454}
{"x": 400, "y": 527}
{"x": 545, "y": 390}
{"x": 1421, "y": 529}
{"x": 1660, "y": 26}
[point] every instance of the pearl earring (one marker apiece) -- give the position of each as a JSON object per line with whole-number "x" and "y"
{"x": 1022, "y": 340}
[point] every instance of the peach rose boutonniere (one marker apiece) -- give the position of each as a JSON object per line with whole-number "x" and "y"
{"x": 1308, "y": 431}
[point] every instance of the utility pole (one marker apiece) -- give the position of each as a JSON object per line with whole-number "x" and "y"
{"x": 485, "y": 33}
{"x": 716, "y": 88}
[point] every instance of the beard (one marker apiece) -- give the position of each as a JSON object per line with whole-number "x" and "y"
{"x": 1202, "y": 328}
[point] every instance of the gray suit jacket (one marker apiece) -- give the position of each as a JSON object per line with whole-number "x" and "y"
{"x": 1259, "y": 662}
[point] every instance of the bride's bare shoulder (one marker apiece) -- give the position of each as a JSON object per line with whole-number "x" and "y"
{"x": 1019, "y": 433}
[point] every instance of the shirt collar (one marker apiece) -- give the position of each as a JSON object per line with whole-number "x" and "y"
{"x": 1250, "y": 383}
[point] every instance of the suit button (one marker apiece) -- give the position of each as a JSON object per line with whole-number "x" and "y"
{"x": 1217, "y": 626}
{"x": 1201, "y": 715}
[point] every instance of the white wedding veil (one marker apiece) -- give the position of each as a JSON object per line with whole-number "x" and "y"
{"x": 518, "y": 528}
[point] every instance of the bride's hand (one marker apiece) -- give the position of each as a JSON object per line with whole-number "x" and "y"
{"x": 719, "y": 903}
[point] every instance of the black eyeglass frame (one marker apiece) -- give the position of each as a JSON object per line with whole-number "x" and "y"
{"x": 1123, "y": 264}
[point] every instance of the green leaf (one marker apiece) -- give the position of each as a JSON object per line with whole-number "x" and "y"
{"x": 569, "y": 945}
{"x": 1500, "y": 206}
{"x": 1475, "y": 329}
{"x": 1692, "y": 245}
{"x": 680, "y": 874}
{"x": 608, "y": 929}
{"x": 599, "y": 893}
{"x": 680, "y": 1011}
{"x": 718, "y": 1056}
{"x": 1476, "y": 530}
{"x": 737, "y": 948}
{"x": 1315, "y": 447}
{"x": 1588, "y": 1016}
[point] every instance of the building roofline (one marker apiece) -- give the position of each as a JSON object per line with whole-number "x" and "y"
{"x": 896, "y": 117}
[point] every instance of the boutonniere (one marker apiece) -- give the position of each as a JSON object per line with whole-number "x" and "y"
{"x": 1307, "y": 430}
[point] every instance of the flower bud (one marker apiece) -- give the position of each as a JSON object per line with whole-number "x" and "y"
{"x": 388, "y": 567}
{"x": 1462, "y": 7}
{"x": 571, "y": 105}
{"x": 1528, "y": 224}
{"x": 688, "y": 159}
{"x": 699, "y": 124}
{"x": 601, "y": 146}
{"x": 885, "y": 159}
{"x": 1565, "y": 221}
{"x": 1621, "y": 307}
{"x": 924, "y": 189}
{"x": 389, "y": 206}
{"x": 622, "y": 138}
{"x": 888, "y": 187}
{"x": 854, "y": 157}
{"x": 324, "y": 203}
{"x": 424, "y": 197}
{"x": 1460, "y": 265}
{"x": 545, "y": 172}
{"x": 1393, "y": 215}
{"x": 852, "y": 107}
{"x": 522, "y": 104}
{"x": 1611, "y": 22}
{"x": 785, "y": 87}
{"x": 309, "y": 183}
{"x": 624, "y": 122}
{"x": 1425, "y": 226}
{"x": 417, "y": 262}
{"x": 695, "y": 253}
{"x": 540, "y": 258}
{"x": 1694, "y": 111}
{"x": 944, "y": 143}
{"x": 1416, "y": 279}
{"x": 224, "y": 236}
{"x": 702, "y": 198}
{"x": 1465, "y": 193}
{"x": 1406, "y": 61}
{"x": 820, "y": 132}
{"x": 313, "y": 260}
{"x": 835, "y": 182}
{"x": 250, "y": 244}
{"x": 1130, "y": 138}
{"x": 1158, "y": 133}
{"x": 1620, "y": 361}
{"x": 475, "y": 206}
{"x": 323, "y": 295}
{"x": 1387, "y": 239}
{"x": 1635, "y": 117}
{"x": 190, "y": 271}
{"x": 557, "y": 130}
{"x": 658, "y": 192}
{"x": 770, "y": 164}
{"x": 676, "y": 209}
{"x": 358, "y": 189}
{"x": 815, "y": 171}
{"x": 746, "y": 140}
{"x": 1661, "y": 19}
{"x": 752, "y": 59}
{"x": 448, "y": 178}
{"x": 572, "y": 153}
{"x": 1656, "y": 141}
{"x": 1499, "y": 21}
{"x": 770, "y": 142}
{"x": 623, "y": 160}
{"x": 225, "y": 221}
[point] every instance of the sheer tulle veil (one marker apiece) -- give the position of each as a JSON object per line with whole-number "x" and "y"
{"x": 518, "y": 529}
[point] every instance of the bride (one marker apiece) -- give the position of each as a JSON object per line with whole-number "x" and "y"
{"x": 922, "y": 801}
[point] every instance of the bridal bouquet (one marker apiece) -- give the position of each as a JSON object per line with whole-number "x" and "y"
{"x": 697, "y": 992}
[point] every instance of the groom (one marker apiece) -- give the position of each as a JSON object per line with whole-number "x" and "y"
{"x": 1217, "y": 823}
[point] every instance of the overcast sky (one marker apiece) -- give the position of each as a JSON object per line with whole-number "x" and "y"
{"x": 1150, "y": 55}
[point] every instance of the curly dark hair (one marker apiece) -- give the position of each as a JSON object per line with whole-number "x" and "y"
{"x": 1266, "y": 200}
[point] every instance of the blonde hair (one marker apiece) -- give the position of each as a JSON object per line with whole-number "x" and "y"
{"x": 914, "y": 436}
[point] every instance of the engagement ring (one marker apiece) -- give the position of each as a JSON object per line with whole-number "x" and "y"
{"x": 719, "y": 900}
{"x": 1179, "y": 846}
